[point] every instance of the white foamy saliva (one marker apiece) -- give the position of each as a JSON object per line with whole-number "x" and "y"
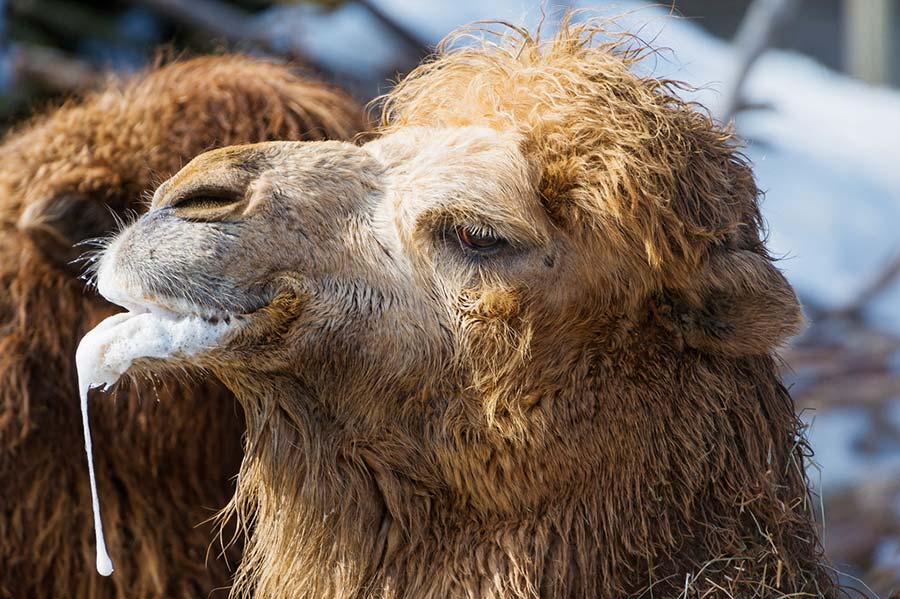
{"x": 109, "y": 349}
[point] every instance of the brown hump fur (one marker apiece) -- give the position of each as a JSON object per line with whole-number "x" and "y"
{"x": 165, "y": 453}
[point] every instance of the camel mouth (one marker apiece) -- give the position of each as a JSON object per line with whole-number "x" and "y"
{"x": 139, "y": 294}
{"x": 169, "y": 306}
{"x": 179, "y": 308}
{"x": 161, "y": 329}
{"x": 165, "y": 329}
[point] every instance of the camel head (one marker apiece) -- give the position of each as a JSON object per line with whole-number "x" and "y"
{"x": 402, "y": 257}
{"x": 499, "y": 222}
{"x": 540, "y": 290}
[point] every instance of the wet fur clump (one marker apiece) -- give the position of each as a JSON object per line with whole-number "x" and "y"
{"x": 166, "y": 453}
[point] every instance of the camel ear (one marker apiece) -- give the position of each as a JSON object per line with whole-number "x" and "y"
{"x": 738, "y": 305}
{"x": 59, "y": 222}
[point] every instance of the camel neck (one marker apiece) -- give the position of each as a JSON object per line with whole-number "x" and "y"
{"x": 377, "y": 515}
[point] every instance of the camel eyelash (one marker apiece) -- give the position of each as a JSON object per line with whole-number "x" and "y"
{"x": 480, "y": 240}
{"x": 475, "y": 241}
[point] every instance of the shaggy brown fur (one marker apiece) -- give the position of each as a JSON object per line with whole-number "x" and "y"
{"x": 590, "y": 408}
{"x": 165, "y": 455}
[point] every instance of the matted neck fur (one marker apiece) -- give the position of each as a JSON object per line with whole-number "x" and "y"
{"x": 521, "y": 345}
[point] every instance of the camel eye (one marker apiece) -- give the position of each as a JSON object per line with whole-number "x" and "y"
{"x": 479, "y": 240}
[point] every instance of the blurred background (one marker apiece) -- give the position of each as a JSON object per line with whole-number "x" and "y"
{"x": 811, "y": 85}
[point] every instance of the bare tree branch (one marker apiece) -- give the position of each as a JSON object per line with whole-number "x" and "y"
{"x": 419, "y": 46}
{"x": 51, "y": 68}
{"x": 764, "y": 18}
{"x": 886, "y": 277}
{"x": 225, "y": 21}
{"x": 216, "y": 17}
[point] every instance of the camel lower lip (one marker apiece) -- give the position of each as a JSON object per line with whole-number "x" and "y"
{"x": 110, "y": 349}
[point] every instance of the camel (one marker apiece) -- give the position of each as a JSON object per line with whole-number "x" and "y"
{"x": 521, "y": 344}
{"x": 173, "y": 449}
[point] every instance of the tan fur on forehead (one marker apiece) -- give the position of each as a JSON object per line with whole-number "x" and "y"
{"x": 615, "y": 151}
{"x": 499, "y": 183}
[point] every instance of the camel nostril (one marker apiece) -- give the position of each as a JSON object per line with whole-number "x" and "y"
{"x": 208, "y": 207}
{"x": 206, "y": 202}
